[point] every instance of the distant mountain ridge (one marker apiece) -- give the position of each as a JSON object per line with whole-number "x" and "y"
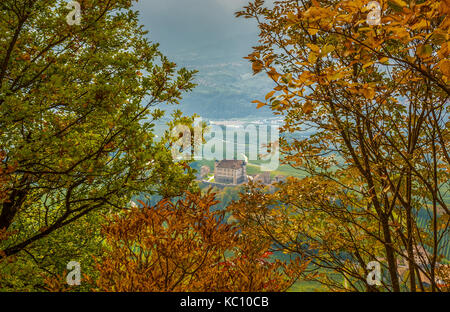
{"x": 226, "y": 84}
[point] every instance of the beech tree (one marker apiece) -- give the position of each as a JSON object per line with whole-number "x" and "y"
{"x": 78, "y": 105}
{"x": 183, "y": 245}
{"x": 373, "y": 102}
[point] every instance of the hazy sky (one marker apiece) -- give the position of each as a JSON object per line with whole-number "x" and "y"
{"x": 189, "y": 23}
{"x": 205, "y": 35}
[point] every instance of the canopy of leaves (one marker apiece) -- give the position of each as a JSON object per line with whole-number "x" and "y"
{"x": 184, "y": 246}
{"x": 376, "y": 100}
{"x": 77, "y": 111}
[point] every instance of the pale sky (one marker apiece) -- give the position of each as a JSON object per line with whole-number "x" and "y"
{"x": 205, "y": 35}
{"x": 175, "y": 23}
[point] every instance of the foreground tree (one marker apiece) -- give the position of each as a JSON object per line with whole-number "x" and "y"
{"x": 373, "y": 102}
{"x": 77, "y": 113}
{"x": 184, "y": 246}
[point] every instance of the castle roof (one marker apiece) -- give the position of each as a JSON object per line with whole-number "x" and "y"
{"x": 231, "y": 164}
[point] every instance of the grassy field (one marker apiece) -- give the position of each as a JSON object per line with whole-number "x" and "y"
{"x": 253, "y": 167}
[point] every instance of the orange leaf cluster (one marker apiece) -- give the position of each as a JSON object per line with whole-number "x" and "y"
{"x": 185, "y": 246}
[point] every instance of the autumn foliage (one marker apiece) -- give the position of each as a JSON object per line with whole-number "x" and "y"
{"x": 372, "y": 104}
{"x": 185, "y": 246}
{"x": 366, "y": 122}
